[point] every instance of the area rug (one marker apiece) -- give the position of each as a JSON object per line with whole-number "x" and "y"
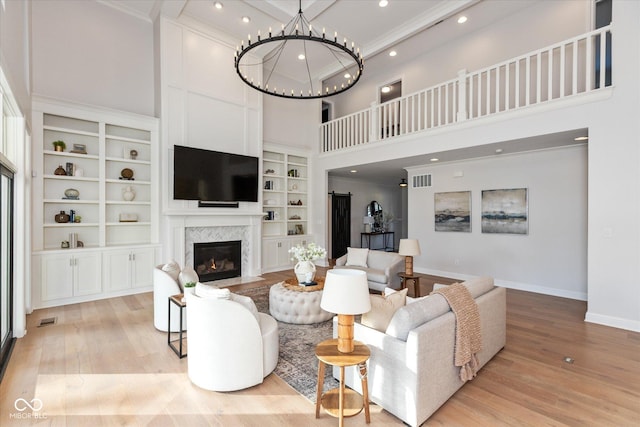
{"x": 297, "y": 365}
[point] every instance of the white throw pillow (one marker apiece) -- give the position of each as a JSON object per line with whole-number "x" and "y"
{"x": 409, "y": 300}
{"x": 188, "y": 274}
{"x": 382, "y": 310}
{"x": 357, "y": 257}
{"x": 212, "y": 291}
{"x": 172, "y": 268}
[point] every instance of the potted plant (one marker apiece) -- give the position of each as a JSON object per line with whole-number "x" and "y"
{"x": 305, "y": 269}
{"x": 59, "y": 145}
{"x": 190, "y": 287}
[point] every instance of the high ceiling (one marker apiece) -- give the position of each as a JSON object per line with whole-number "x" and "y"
{"x": 404, "y": 25}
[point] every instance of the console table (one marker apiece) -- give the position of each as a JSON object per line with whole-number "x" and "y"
{"x": 388, "y": 240}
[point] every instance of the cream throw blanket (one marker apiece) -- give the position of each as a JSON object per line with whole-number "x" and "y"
{"x": 468, "y": 332}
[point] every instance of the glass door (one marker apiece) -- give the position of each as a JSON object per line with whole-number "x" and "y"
{"x": 6, "y": 263}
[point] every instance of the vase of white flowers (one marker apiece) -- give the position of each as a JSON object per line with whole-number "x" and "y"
{"x": 305, "y": 269}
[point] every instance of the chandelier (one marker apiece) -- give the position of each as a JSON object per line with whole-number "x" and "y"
{"x": 297, "y": 55}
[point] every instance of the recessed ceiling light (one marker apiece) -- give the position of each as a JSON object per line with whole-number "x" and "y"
{"x": 217, "y": 5}
{"x": 246, "y": 19}
{"x": 434, "y": 159}
{"x": 353, "y": 171}
{"x": 385, "y": 89}
{"x": 383, "y": 3}
{"x": 498, "y": 150}
{"x": 301, "y": 56}
{"x": 347, "y": 76}
{"x": 393, "y": 53}
{"x": 581, "y": 138}
{"x": 462, "y": 19}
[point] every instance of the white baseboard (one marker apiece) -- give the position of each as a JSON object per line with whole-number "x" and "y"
{"x": 615, "y": 322}
{"x": 545, "y": 290}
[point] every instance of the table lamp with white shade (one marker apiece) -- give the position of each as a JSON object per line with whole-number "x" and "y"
{"x": 409, "y": 248}
{"x": 345, "y": 293}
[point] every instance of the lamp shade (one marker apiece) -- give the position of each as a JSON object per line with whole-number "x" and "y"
{"x": 346, "y": 292}
{"x": 409, "y": 247}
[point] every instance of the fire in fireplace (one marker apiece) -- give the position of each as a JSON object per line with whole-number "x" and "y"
{"x": 217, "y": 260}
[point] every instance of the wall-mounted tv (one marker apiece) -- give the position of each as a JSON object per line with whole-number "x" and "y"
{"x": 214, "y": 176}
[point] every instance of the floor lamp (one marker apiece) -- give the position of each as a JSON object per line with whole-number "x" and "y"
{"x": 345, "y": 293}
{"x": 409, "y": 248}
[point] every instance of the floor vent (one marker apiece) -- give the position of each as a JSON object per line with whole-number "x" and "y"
{"x": 422, "y": 181}
{"x": 47, "y": 321}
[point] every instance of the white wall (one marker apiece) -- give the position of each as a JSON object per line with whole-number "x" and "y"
{"x": 291, "y": 122}
{"x": 542, "y": 24}
{"x": 14, "y": 51}
{"x": 87, "y": 52}
{"x": 551, "y": 258}
{"x": 390, "y": 198}
{"x": 613, "y": 248}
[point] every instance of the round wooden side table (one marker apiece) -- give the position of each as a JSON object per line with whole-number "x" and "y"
{"x": 342, "y": 402}
{"x": 416, "y": 283}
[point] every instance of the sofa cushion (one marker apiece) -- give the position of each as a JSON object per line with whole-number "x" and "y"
{"x": 357, "y": 257}
{"x": 411, "y": 316}
{"x": 409, "y": 300}
{"x": 212, "y": 291}
{"x": 187, "y": 275}
{"x": 172, "y": 269}
{"x": 383, "y": 309}
{"x": 382, "y": 259}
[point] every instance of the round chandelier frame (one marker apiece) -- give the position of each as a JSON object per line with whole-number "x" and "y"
{"x": 299, "y": 29}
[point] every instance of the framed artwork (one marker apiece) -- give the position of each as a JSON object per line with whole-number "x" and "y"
{"x": 505, "y": 211}
{"x": 453, "y": 211}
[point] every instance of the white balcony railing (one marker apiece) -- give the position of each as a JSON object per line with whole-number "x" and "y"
{"x": 559, "y": 71}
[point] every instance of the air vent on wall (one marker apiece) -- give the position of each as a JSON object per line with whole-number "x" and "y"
{"x": 422, "y": 181}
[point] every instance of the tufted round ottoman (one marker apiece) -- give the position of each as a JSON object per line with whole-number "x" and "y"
{"x": 292, "y": 306}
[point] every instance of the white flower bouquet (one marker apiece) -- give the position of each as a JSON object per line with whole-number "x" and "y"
{"x": 308, "y": 253}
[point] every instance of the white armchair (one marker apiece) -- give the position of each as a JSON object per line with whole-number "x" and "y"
{"x": 230, "y": 347}
{"x": 164, "y": 285}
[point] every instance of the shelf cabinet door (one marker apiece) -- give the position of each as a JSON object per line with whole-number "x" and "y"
{"x": 128, "y": 268}
{"x": 142, "y": 263}
{"x": 87, "y": 274}
{"x": 57, "y": 277}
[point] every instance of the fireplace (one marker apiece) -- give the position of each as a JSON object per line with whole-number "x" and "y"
{"x": 217, "y": 260}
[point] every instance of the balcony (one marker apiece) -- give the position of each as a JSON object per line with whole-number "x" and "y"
{"x": 560, "y": 71}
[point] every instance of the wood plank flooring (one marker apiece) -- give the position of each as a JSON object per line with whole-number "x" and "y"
{"x": 102, "y": 363}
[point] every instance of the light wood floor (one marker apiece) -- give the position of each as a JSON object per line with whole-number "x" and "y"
{"x": 103, "y": 363}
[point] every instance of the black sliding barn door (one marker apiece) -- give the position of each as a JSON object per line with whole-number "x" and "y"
{"x": 340, "y": 224}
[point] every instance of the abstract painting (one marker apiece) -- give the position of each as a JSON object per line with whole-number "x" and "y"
{"x": 453, "y": 211}
{"x": 505, "y": 211}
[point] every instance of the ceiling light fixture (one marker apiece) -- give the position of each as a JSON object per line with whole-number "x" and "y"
{"x": 462, "y": 19}
{"x": 581, "y": 138}
{"x": 353, "y": 171}
{"x": 385, "y": 89}
{"x": 434, "y": 159}
{"x": 383, "y": 3}
{"x": 393, "y": 53}
{"x": 217, "y": 5}
{"x": 246, "y": 19}
{"x": 298, "y": 35}
{"x": 403, "y": 183}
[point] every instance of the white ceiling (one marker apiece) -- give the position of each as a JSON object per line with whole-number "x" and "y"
{"x": 404, "y": 25}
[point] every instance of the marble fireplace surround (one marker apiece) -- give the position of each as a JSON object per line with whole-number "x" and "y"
{"x": 189, "y": 229}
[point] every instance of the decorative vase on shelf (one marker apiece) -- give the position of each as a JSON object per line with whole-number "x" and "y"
{"x": 128, "y": 193}
{"x": 60, "y": 171}
{"x": 62, "y": 217}
{"x": 305, "y": 271}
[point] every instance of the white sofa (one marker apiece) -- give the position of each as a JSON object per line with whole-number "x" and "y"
{"x": 411, "y": 371}
{"x": 231, "y": 345}
{"x": 382, "y": 267}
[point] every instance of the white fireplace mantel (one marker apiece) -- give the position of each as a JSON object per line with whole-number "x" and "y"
{"x": 246, "y": 226}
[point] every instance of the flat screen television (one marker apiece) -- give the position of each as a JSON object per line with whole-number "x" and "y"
{"x": 214, "y": 176}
